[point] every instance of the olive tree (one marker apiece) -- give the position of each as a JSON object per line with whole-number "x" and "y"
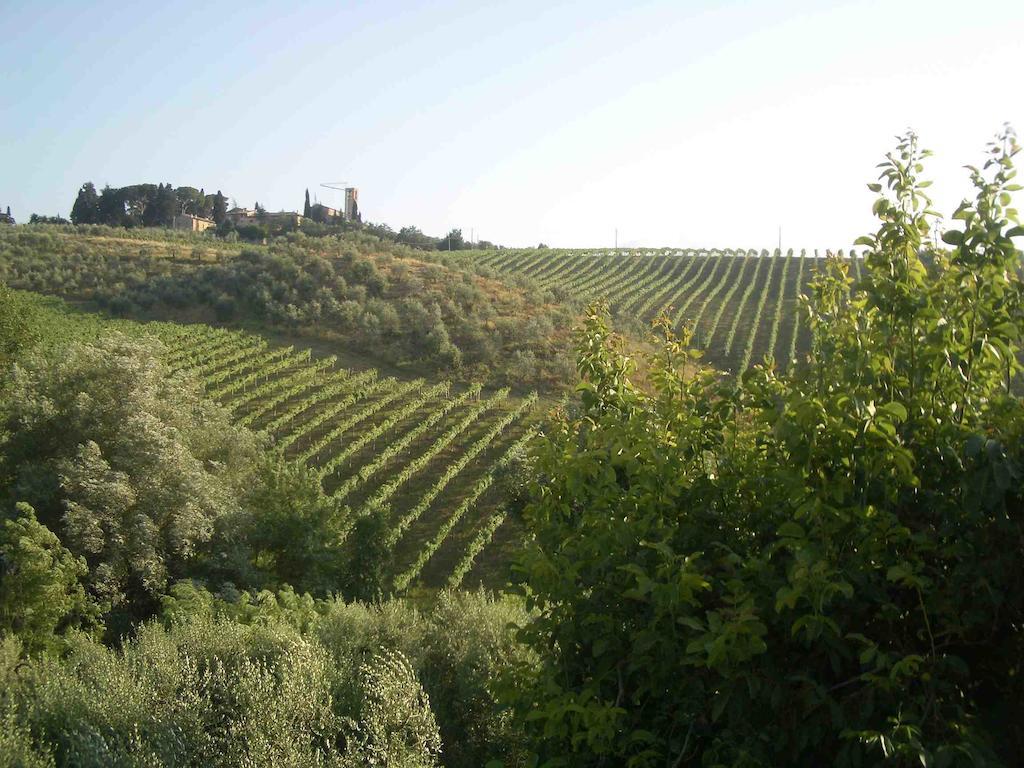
{"x": 124, "y": 461}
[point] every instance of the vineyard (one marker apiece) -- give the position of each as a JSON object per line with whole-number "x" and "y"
{"x": 741, "y": 305}
{"x": 424, "y": 453}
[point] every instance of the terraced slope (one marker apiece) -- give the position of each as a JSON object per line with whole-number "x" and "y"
{"x": 425, "y": 453}
{"x": 742, "y": 305}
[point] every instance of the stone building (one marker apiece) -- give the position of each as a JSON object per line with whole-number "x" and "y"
{"x": 247, "y": 217}
{"x": 322, "y": 213}
{"x": 190, "y": 223}
{"x": 241, "y": 215}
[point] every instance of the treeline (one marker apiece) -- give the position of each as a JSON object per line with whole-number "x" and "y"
{"x": 412, "y": 236}
{"x": 406, "y": 313}
{"x": 155, "y": 205}
{"x": 144, "y": 205}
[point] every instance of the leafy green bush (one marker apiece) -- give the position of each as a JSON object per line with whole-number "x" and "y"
{"x": 126, "y": 463}
{"x": 40, "y": 581}
{"x": 823, "y": 567}
{"x": 16, "y": 327}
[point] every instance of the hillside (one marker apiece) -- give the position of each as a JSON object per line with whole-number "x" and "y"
{"x": 500, "y": 315}
{"x": 742, "y": 305}
{"x": 357, "y": 292}
{"x": 425, "y": 457}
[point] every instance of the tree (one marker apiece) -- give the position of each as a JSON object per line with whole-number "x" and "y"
{"x": 191, "y": 201}
{"x": 86, "y": 209}
{"x": 17, "y": 328}
{"x": 414, "y": 237}
{"x": 368, "y": 555}
{"x": 307, "y": 210}
{"x": 40, "y": 581}
{"x": 162, "y": 208}
{"x": 452, "y": 241}
{"x": 810, "y": 568}
{"x": 289, "y": 527}
{"x": 125, "y": 462}
{"x": 111, "y": 208}
{"x": 396, "y": 726}
{"x": 220, "y": 208}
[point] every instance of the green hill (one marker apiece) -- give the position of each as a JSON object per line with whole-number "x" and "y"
{"x": 423, "y": 456}
{"x": 741, "y": 305}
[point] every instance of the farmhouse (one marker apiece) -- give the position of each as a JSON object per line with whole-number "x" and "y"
{"x": 190, "y": 223}
{"x": 241, "y": 215}
{"x": 321, "y": 212}
{"x": 244, "y": 217}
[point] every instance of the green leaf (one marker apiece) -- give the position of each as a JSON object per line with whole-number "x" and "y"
{"x": 953, "y": 237}
{"x": 897, "y": 410}
{"x": 721, "y": 701}
{"x": 791, "y": 530}
{"x": 691, "y": 622}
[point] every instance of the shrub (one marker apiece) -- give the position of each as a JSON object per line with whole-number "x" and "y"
{"x": 127, "y": 464}
{"x": 40, "y": 581}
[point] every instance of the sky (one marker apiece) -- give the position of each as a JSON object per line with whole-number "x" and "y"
{"x": 685, "y": 123}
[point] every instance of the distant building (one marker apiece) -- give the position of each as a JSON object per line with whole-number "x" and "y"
{"x": 6, "y": 218}
{"x": 323, "y": 213}
{"x": 352, "y": 204}
{"x": 190, "y": 223}
{"x": 283, "y": 217}
{"x": 247, "y": 217}
{"x": 241, "y": 215}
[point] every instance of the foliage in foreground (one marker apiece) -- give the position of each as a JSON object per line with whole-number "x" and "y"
{"x": 270, "y": 681}
{"x": 129, "y": 466}
{"x": 818, "y": 568}
{"x": 108, "y": 459}
{"x": 144, "y": 497}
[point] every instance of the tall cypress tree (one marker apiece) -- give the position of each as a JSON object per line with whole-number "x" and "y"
{"x": 87, "y": 205}
{"x": 220, "y": 207}
{"x": 307, "y": 209}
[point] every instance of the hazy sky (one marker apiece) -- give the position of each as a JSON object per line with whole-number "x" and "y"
{"x": 680, "y": 123}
